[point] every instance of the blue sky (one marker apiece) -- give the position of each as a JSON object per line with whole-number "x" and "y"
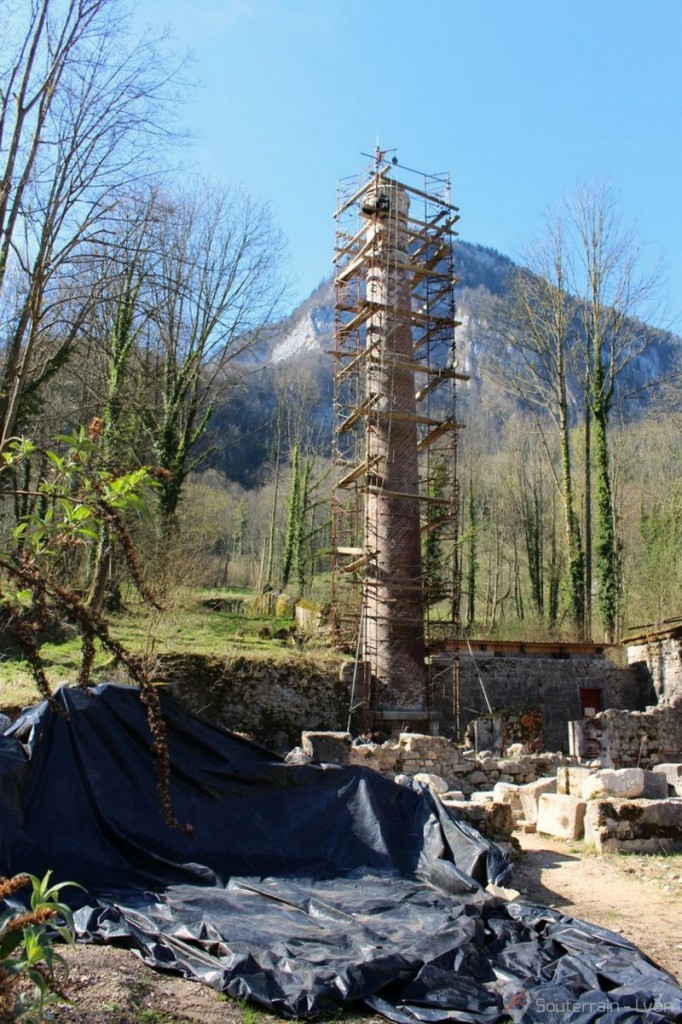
{"x": 517, "y": 99}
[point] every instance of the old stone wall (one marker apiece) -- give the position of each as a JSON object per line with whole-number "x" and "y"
{"x": 270, "y": 701}
{"x": 273, "y": 700}
{"x": 661, "y": 657}
{"x": 622, "y": 739}
{"x": 551, "y": 684}
{"x": 499, "y": 731}
{"x": 414, "y": 753}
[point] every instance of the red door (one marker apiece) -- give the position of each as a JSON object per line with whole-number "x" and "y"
{"x": 590, "y": 701}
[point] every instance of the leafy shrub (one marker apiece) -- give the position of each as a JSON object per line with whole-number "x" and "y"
{"x": 32, "y": 974}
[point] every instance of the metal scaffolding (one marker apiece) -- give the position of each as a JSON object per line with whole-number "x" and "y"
{"x": 395, "y": 558}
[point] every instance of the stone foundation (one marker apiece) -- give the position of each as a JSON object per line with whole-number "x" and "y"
{"x": 521, "y": 683}
{"x": 270, "y": 701}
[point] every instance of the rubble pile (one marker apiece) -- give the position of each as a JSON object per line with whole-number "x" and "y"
{"x": 633, "y": 810}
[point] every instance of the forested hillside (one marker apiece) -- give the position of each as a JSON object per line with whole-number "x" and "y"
{"x": 515, "y": 562}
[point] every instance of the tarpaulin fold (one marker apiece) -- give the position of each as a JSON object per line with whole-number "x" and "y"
{"x": 302, "y": 888}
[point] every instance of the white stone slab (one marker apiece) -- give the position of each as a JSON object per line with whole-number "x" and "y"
{"x": 561, "y": 815}
{"x": 530, "y": 794}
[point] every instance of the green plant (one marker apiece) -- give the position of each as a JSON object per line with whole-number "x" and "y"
{"x": 249, "y": 1014}
{"x": 74, "y": 501}
{"x": 26, "y": 948}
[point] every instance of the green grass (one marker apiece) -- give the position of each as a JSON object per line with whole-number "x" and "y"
{"x": 185, "y": 626}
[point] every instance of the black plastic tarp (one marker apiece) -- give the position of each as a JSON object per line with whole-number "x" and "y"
{"x": 302, "y": 888}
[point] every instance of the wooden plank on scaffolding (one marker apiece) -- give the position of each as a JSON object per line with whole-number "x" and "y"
{"x": 362, "y": 410}
{"x": 425, "y": 498}
{"x": 364, "y": 313}
{"x": 451, "y": 325}
{"x": 433, "y": 230}
{"x": 435, "y": 523}
{"x": 428, "y": 195}
{"x": 350, "y": 243}
{"x": 422, "y": 275}
{"x": 358, "y": 563}
{"x": 359, "y": 358}
{"x": 363, "y": 188}
{"x": 443, "y": 428}
{"x": 406, "y": 417}
{"x": 344, "y": 275}
{"x": 434, "y": 383}
{"x": 444, "y": 373}
{"x": 358, "y": 471}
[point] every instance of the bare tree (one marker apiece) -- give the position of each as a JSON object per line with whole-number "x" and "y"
{"x": 212, "y": 284}
{"x": 578, "y": 328}
{"x": 616, "y": 300}
{"x": 533, "y": 363}
{"x": 79, "y": 108}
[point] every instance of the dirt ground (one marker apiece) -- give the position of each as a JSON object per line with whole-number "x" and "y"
{"x": 638, "y": 897}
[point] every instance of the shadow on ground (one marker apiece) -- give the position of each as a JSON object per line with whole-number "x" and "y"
{"x": 527, "y": 878}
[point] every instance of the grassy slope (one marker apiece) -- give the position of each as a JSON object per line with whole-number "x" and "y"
{"x": 185, "y": 626}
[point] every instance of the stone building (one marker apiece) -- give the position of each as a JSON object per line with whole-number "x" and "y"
{"x": 659, "y": 653}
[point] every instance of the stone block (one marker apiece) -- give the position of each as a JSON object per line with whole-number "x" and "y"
{"x": 561, "y": 815}
{"x": 499, "y": 823}
{"x": 562, "y": 780}
{"x": 330, "y": 747}
{"x": 625, "y": 783}
{"x": 482, "y": 797}
{"x": 435, "y": 783}
{"x": 454, "y": 794}
{"x": 507, "y": 793}
{"x": 491, "y": 819}
{"x": 570, "y": 779}
{"x": 673, "y": 774}
{"x": 636, "y": 826}
{"x": 297, "y": 756}
{"x": 530, "y": 794}
{"x": 478, "y": 778}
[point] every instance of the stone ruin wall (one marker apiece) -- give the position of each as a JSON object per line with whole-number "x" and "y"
{"x": 661, "y": 657}
{"x": 269, "y": 701}
{"x": 273, "y": 701}
{"x": 551, "y": 684}
{"x": 628, "y": 739}
{"x": 414, "y": 754}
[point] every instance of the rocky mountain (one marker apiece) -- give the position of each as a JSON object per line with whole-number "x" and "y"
{"x": 482, "y": 275}
{"x": 298, "y": 347}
